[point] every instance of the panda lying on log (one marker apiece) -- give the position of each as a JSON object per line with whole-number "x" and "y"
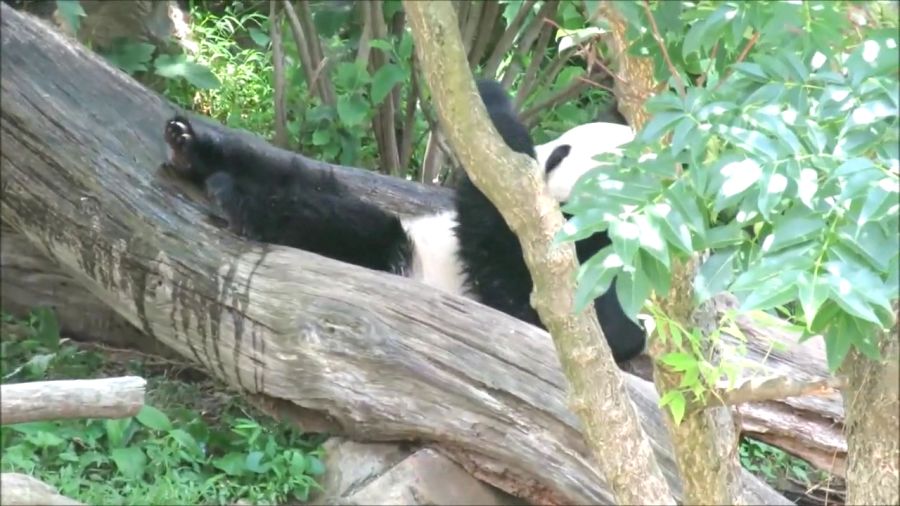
{"x": 470, "y": 251}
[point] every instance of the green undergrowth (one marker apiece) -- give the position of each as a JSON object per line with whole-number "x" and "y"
{"x": 194, "y": 442}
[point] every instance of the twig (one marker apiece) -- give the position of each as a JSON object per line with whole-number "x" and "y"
{"x": 740, "y": 58}
{"x": 315, "y": 51}
{"x": 712, "y": 59}
{"x": 306, "y": 61}
{"x": 572, "y": 90}
{"x": 772, "y": 388}
{"x": 679, "y": 83}
{"x": 485, "y": 32}
{"x": 275, "y": 16}
{"x": 383, "y": 122}
{"x": 409, "y": 123}
{"x": 362, "y": 49}
{"x": 507, "y": 39}
{"x": 473, "y": 18}
{"x": 531, "y": 34}
{"x": 528, "y": 80}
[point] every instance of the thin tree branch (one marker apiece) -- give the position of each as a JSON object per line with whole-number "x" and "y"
{"x": 679, "y": 83}
{"x": 507, "y": 39}
{"x": 740, "y": 58}
{"x": 275, "y": 18}
{"x": 473, "y": 20}
{"x": 567, "y": 93}
{"x": 363, "y": 48}
{"x": 712, "y": 60}
{"x": 384, "y": 120}
{"x": 537, "y": 57}
{"x": 485, "y": 33}
{"x": 548, "y": 10}
{"x": 306, "y": 61}
{"x": 315, "y": 51}
{"x": 409, "y": 123}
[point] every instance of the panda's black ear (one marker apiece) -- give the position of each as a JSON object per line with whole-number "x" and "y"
{"x": 556, "y": 157}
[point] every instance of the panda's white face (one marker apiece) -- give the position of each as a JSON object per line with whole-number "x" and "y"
{"x": 572, "y": 154}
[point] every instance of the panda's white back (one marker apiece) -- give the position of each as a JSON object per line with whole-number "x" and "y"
{"x": 436, "y": 252}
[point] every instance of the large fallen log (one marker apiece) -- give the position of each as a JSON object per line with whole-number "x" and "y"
{"x": 379, "y": 357}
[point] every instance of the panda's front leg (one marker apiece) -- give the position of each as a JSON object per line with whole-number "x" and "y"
{"x": 227, "y": 201}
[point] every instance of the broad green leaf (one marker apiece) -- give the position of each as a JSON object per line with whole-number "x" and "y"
{"x": 131, "y": 57}
{"x": 837, "y": 343}
{"x": 321, "y": 137}
{"x": 632, "y": 290}
{"x": 848, "y": 297}
{"x": 352, "y": 110}
{"x": 384, "y": 80}
{"x": 187, "y": 441}
{"x": 47, "y": 327}
{"x": 681, "y": 134}
{"x": 584, "y": 224}
{"x": 71, "y": 12}
{"x": 130, "y": 461}
{"x": 705, "y": 32}
{"x": 772, "y": 187}
{"x": 595, "y": 275}
{"x": 679, "y": 361}
{"x": 724, "y": 236}
{"x": 812, "y": 292}
{"x": 795, "y": 226}
{"x": 625, "y": 237}
{"x": 659, "y": 125}
{"x": 739, "y": 176}
{"x": 676, "y": 402}
{"x": 178, "y": 66}
{"x": 771, "y": 294}
{"x": 260, "y": 38}
{"x": 714, "y": 275}
{"x": 253, "y": 463}
{"x": 315, "y": 465}
{"x": 153, "y": 418}
{"x": 231, "y": 463}
{"x": 381, "y": 44}
{"x": 651, "y": 239}
{"x": 655, "y": 272}
{"x": 672, "y": 226}
{"x": 753, "y": 70}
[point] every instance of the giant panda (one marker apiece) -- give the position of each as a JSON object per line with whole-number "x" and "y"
{"x": 269, "y": 196}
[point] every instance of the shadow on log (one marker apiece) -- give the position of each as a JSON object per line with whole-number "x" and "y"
{"x": 375, "y": 356}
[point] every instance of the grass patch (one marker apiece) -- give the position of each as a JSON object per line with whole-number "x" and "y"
{"x": 194, "y": 442}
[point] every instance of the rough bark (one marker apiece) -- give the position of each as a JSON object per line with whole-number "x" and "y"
{"x": 18, "y": 489}
{"x": 705, "y": 441}
{"x": 872, "y": 401}
{"x": 511, "y": 182}
{"x": 66, "y": 399}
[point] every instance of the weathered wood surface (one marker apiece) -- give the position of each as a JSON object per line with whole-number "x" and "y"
{"x": 65, "y": 399}
{"x": 17, "y": 489}
{"x": 380, "y": 357}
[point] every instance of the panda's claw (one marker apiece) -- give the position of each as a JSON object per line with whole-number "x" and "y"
{"x": 178, "y": 132}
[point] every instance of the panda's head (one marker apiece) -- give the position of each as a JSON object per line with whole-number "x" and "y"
{"x": 567, "y": 158}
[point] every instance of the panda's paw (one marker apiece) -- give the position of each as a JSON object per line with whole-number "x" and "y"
{"x": 180, "y": 137}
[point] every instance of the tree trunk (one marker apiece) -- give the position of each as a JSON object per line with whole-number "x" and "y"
{"x": 872, "y": 401}
{"x": 509, "y": 181}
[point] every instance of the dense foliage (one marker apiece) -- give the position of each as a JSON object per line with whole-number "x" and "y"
{"x": 776, "y": 149}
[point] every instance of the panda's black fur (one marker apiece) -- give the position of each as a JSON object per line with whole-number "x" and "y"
{"x": 271, "y": 197}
